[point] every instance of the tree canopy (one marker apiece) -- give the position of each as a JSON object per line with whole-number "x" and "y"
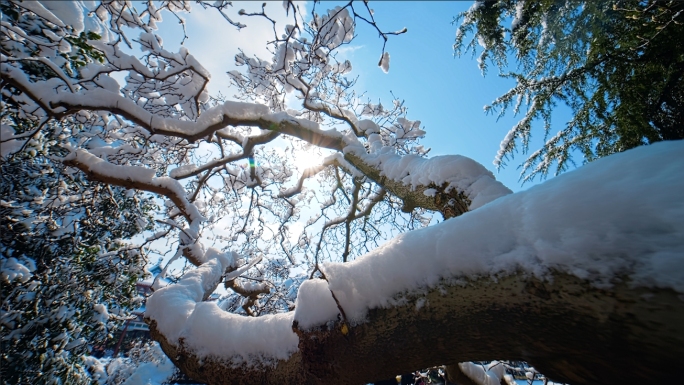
{"x": 108, "y": 136}
{"x": 619, "y": 65}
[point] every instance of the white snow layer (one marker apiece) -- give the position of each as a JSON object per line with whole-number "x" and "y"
{"x": 210, "y": 331}
{"x": 457, "y": 171}
{"x": 618, "y": 216}
{"x": 150, "y": 373}
{"x": 385, "y": 62}
{"x": 12, "y": 269}
{"x": 491, "y": 375}
{"x": 315, "y": 304}
{"x": 137, "y": 174}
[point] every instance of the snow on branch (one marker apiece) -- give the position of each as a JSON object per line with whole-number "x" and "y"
{"x": 590, "y": 235}
{"x": 212, "y": 120}
{"x": 137, "y": 177}
{"x": 248, "y": 145}
{"x": 178, "y": 313}
{"x": 450, "y": 184}
{"x": 51, "y": 97}
{"x": 605, "y": 237}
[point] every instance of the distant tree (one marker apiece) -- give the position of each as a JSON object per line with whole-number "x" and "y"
{"x": 532, "y": 276}
{"x": 619, "y": 65}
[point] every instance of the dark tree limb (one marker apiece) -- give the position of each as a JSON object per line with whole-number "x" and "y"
{"x": 569, "y": 330}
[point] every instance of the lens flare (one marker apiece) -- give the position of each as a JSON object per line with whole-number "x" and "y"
{"x": 306, "y": 159}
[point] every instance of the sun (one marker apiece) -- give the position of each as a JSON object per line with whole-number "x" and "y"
{"x": 308, "y": 157}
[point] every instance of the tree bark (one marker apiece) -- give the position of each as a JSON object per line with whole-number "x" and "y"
{"x": 449, "y": 204}
{"x": 569, "y": 330}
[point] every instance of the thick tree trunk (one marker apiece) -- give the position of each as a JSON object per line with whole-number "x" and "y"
{"x": 567, "y": 329}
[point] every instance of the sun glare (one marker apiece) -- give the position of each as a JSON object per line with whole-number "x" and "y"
{"x": 306, "y": 158}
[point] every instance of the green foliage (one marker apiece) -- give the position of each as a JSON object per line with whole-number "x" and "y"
{"x": 67, "y": 278}
{"x": 618, "y": 65}
{"x": 84, "y": 52}
{"x": 75, "y": 50}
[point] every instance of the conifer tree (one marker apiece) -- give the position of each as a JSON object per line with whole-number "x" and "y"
{"x": 619, "y": 66}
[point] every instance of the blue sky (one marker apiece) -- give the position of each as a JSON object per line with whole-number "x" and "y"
{"x": 446, "y": 93}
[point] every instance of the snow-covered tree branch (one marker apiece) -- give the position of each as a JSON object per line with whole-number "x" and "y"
{"x": 310, "y": 295}
{"x": 569, "y": 279}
